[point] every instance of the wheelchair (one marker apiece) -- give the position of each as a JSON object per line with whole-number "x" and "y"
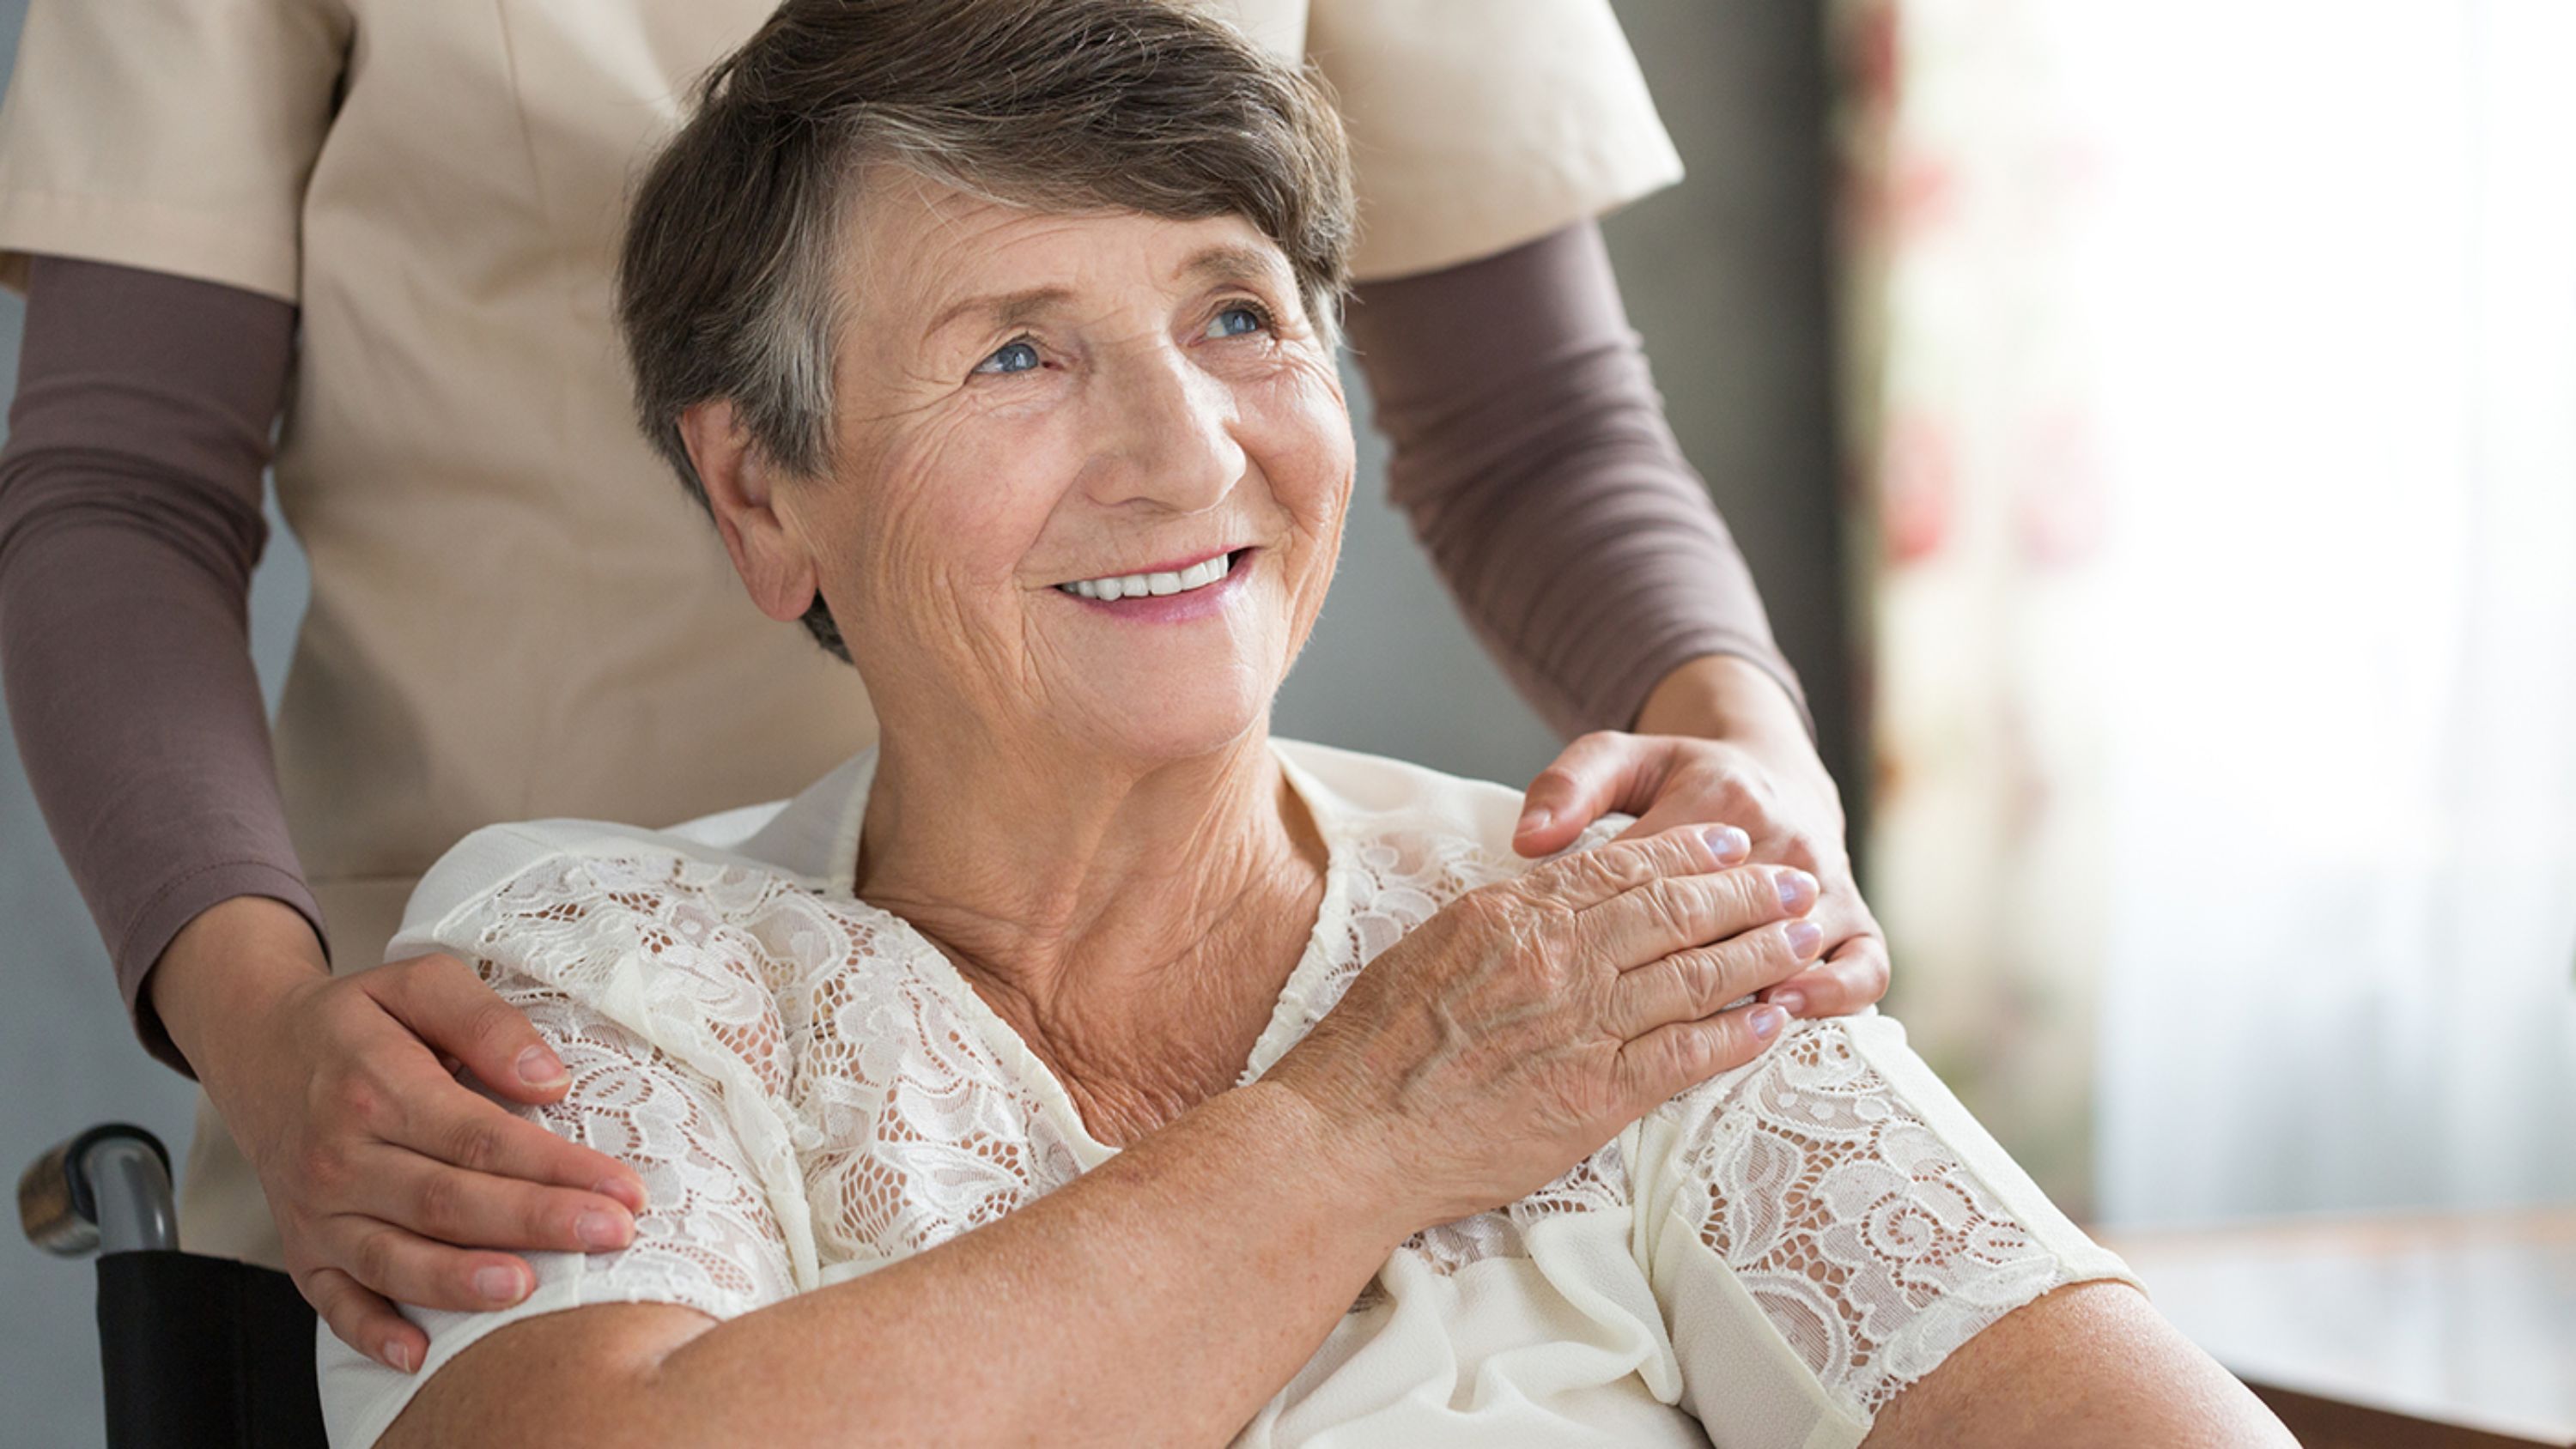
{"x": 197, "y": 1352}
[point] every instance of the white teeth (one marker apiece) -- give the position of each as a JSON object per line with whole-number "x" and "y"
{"x": 1136, "y": 586}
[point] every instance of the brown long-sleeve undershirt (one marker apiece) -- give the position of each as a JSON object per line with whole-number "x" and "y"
{"x": 1530, "y": 453}
{"x": 1532, "y": 457}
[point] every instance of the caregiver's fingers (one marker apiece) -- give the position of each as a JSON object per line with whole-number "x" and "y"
{"x": 442, "y": 1119}
{"x": 1708, "y": 781}
{"x": 453, "y": 1205}
{"x": 1596, "y": 774}
{"x": 1854, "y": 976}
{"x": 1674, "y": 1058}
{"x": 1701, "y": 982}
{"x": 408, "y": 1268}
{"x": 364, "y": 1320}
{"x": 449, "y": 1008}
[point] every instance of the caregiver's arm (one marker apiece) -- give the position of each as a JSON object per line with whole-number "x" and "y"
{"x": 1165, "y": 1295}
{"x": 129, "y": 526}
{"x": 1532, "y": 456}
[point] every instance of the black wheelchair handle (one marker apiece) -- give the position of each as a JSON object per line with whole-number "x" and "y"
{"x": 106, "y": 1189}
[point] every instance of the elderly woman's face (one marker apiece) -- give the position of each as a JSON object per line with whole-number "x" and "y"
{"x": 1091, "y": 471}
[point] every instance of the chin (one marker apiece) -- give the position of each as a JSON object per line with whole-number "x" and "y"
{"x": 1166, "y": 727}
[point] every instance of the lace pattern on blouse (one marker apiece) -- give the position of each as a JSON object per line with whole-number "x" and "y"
{"x": 709, "y": 1240}
{"x": 904, "y": 1124}
{"x": 1869, "y": 1245}
{"x": 803, "y": 1084}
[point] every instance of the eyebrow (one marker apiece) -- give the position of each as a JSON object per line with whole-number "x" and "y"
{"x": 1223, "y": 261}
{"x": 1231, "y": 262}
{"x": 1007, "y": 309}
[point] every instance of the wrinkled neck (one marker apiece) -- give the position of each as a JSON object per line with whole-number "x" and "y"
{"x": 1094, "y": 879}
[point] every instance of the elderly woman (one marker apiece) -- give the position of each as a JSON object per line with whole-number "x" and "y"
{"x": 1081, "y": 1064}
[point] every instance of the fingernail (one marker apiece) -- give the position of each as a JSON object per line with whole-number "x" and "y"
{"x": 1797, "y": 890}
{"x": 1727, "y": 842}
{"x": 1805, "y": 939}
{"x": 397, "y": 1355}
{"x": 629, "y": 1193}
{"x": 601, "y": 1230}
{"x": 1533, "y": 820}
{"x": 1766, "y": 1021}
{"x": 497, "y": 1285}
{"x": 1792, "y": 1002}
{"x": 541, "y": 1068}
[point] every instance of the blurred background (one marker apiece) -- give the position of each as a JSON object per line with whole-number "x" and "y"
{"x": 2154, "y": 430}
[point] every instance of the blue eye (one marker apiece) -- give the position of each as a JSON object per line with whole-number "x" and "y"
{"x": 1010, "y": 357}
{"x": 1237, "y": 320}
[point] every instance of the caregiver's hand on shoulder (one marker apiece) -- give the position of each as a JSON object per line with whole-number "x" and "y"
{"x": 1719, "y": 740}
{"x": 1528, "y": 1022}
{"x": 374, "y": 1157}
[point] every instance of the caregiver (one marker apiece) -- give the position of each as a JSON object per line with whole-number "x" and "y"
{"x": 394, "y": 224}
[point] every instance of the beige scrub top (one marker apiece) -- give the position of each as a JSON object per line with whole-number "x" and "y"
{"x": 515, "y": 612}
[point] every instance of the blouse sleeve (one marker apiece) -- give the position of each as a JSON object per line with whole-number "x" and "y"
{"x": 170, "y": 135}
{"x": 1826, "y": 1224}
{"x": 580, "y": 946}
{"x": 1477, "y": 125}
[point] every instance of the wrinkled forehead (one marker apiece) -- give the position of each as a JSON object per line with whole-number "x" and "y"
{"x": 922, "y": 259}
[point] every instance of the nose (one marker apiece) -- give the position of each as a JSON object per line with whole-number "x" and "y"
{"x": 1167, "y": 434}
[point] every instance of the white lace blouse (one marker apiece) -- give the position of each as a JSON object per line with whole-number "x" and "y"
{"x": 811, "y": 1092}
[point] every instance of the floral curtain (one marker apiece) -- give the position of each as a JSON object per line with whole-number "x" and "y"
{"x": 2213, "y": 379}
{"x": 1971, "y": 410}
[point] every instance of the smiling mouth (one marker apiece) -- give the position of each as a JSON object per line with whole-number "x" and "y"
{"x": 1159, "y": 583}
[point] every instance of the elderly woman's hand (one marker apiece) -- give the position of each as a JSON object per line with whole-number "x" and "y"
{"x": 374, "y": 1157}
{"x": 1720, "y": 741}
{"x": 1529, "y": 1022}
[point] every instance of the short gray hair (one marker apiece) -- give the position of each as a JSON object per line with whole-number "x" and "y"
{"x": 725, "y": 287}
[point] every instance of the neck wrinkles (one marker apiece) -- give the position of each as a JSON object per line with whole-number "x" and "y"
{"x": 1056, "y": 882}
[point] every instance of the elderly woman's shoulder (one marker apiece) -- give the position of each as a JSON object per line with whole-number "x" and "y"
{"x": 1361, "y": 795}
{"x": 489, "y": 860}
{"x": 601, "y": 912}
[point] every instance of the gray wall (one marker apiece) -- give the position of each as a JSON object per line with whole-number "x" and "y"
{"x": 1725, "y": 277}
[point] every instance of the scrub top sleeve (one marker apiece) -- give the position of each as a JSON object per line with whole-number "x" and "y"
{"x": 1477, "y": 125}
{"x": 170, "y": 135}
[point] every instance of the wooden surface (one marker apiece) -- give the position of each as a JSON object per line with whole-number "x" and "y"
{"x": 2441, "y": 1331}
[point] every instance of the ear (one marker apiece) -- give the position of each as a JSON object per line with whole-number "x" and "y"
{"x": 776, "y": 568}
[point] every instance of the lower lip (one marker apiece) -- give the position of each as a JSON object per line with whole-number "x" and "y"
{"x": 1180, "y": 608}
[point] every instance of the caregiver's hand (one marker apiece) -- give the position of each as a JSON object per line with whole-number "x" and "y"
{"x": 1720, "y": 741}
{"x": 1528, "y": 1022}
{"x": 373, "y": 1155}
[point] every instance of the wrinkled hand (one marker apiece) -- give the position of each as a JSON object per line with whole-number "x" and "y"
{"x": 1769, "y": 783}
{"x": 1528, "y": 1022}
{"x": 375, "y": 1158}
